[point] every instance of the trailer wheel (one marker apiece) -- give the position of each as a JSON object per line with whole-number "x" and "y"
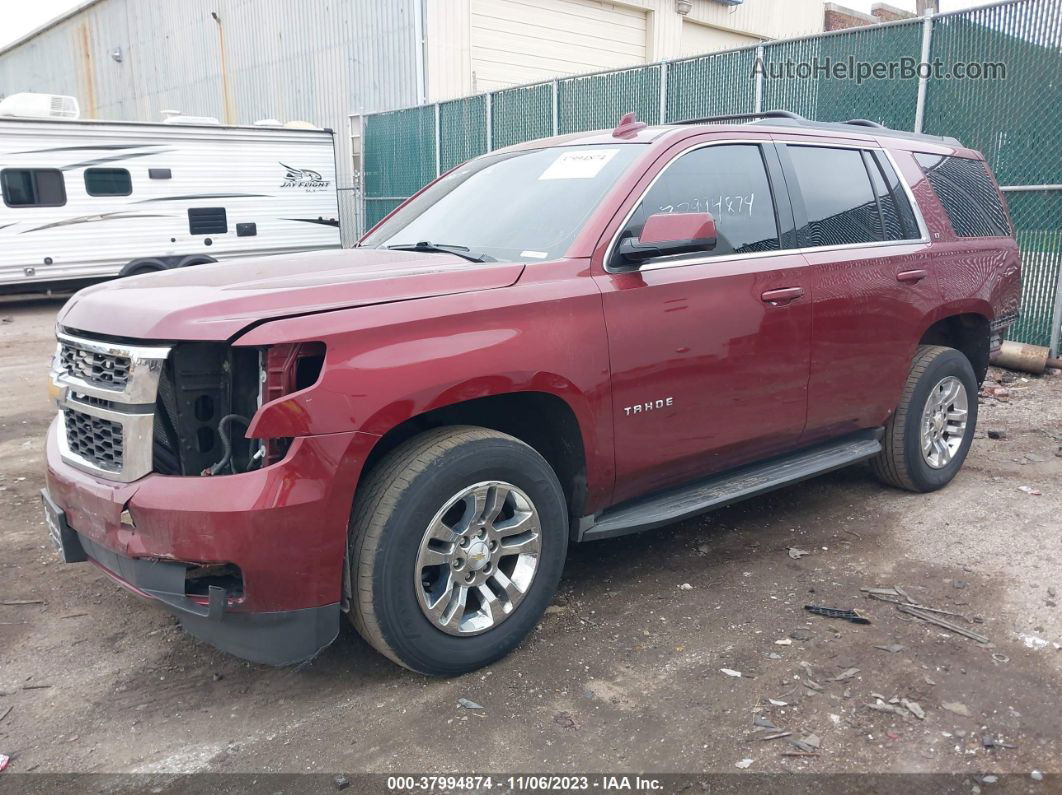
{"x": 139, "y": 267}
{"x": 193, "y": 259}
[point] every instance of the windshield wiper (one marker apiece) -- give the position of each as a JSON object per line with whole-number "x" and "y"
{"x": 442, "y": 248}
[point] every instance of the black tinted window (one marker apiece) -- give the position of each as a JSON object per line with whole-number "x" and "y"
{"x": 33, "y": 187}
{"x": 896, "y": 212}
{"x": 108, "y": 182}
{"x": 840, "y": 204}
{"x": 728, "y": 181}
{"x": 967, "y": 193}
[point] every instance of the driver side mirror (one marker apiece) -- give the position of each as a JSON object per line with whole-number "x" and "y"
{"x": 665, "y": 234}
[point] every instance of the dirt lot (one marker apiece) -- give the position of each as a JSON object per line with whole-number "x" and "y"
{"x": 625, "y": 672}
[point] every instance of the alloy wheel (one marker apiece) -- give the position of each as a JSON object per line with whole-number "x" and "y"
{"x": 944, "y": 422}
{"x": 478, "y": 558}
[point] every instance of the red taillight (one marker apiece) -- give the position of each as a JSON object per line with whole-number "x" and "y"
{"x": 287, "y": 368}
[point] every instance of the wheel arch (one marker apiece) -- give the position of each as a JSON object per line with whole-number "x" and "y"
{"x": 968, "y": 332}
{"x": 542, "y": 420}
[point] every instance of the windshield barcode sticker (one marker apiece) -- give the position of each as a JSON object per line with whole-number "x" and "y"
{"x": 579, "y": 165}
{"x": 535, "y": 254}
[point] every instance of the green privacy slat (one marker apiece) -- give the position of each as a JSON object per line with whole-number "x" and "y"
{"x": 596, "y": 102}
{"x": 711, "y": 85}
{"x": 521, "y": 114}
{"x": 890, "y": 101}
{"x": 1010, "y": 120}
{"x": 462, "y": 130}
{"x": 376, "y": 209}
{"x": 399, "y": 152}
{"x": 1038, "y": 220}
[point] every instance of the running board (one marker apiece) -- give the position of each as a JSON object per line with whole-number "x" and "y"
{"x": 733, "y": 486}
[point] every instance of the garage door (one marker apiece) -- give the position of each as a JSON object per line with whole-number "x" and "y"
{"x": 514, "y": 41}
{"x": 697, "y": 39}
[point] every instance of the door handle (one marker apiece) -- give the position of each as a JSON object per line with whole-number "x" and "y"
{"x": 911, "y": 276}
{"x": 782, "y": 296}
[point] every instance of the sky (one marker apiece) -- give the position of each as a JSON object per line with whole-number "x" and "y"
{"x": 20, "y": 17}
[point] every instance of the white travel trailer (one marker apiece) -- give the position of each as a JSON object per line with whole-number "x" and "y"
{"x": 96, "y": 199}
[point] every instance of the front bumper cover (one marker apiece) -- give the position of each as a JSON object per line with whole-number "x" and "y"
{"x": 284, "y": 527}
{"x": 275, "y": 638}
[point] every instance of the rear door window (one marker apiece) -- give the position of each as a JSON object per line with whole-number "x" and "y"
{"x": 839, "y": 200}
{"x": 730, "y": 182}
{"x": 967, "y": 194}
{"x": 33, "y": 187}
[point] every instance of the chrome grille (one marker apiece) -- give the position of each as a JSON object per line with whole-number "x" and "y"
{"x": 94, "y": 367}
{"x": 106, "y": 396}
{"x": 94, "y": 439}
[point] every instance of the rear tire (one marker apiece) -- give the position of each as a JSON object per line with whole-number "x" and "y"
{"x": 424, "y": 530}
{"x": 927, "y": 438}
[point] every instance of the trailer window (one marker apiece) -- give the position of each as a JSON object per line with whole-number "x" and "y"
{"x": 108, "y": 182}
{"x": 33, "y": 187}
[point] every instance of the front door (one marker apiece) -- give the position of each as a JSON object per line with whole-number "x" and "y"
{"x": 709, "y": 351}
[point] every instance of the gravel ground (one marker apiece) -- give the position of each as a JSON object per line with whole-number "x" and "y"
{"x": 625, "y": 673}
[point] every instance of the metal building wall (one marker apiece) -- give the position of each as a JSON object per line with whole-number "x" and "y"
{"x": 314, "y": 60}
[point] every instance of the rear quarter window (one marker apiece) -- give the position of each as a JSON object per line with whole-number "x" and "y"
{"x": 967, "y": 193}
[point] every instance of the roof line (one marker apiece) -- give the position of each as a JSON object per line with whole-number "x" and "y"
{"x": 37, "y": 31}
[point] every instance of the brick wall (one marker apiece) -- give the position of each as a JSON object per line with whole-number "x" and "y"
{"x": 883, "y": 12}
{"x": 838, "y": 17}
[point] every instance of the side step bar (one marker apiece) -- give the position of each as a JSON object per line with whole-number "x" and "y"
{"x": 729, "y": 487}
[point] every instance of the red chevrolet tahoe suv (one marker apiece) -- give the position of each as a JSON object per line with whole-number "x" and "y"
{"x": 562, "y": 341}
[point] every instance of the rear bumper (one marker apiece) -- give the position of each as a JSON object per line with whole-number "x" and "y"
{"x": 284, "y": 527}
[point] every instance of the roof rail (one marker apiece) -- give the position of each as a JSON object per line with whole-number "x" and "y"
{"x": 767, "y": 114}
{"x": 789, "y": 119}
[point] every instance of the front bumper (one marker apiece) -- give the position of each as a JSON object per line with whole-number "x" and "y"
{"x": 284, "y": 527}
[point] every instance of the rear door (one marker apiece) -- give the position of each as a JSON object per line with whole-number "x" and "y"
{"x": 709, "y": 351}
{"x": 871, "y": 276}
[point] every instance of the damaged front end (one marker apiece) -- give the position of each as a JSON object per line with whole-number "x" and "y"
{"x": 152, "y": 477}
{"x": 176, "y": 409}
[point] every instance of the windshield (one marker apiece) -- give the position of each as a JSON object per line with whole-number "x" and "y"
{"x": 515, "y": 207}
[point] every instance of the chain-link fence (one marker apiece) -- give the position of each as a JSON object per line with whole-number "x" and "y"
{"x": 1011, "y": 113}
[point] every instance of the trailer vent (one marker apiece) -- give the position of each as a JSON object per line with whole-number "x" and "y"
{"x": 207, "y": 221}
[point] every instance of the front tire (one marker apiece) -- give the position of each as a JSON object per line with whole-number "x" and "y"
{"x": 927, "y": 438}
{"x": 457, "y": 542}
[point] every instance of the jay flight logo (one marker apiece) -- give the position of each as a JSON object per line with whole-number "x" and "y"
{"x": 304, "y": 178}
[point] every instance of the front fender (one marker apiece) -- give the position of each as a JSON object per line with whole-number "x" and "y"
{"x": 388, "y": 363}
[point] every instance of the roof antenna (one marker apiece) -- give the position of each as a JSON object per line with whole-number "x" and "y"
{"x": 628, "y": 126}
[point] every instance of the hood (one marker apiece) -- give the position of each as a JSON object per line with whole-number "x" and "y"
{"x": 216, "y": 302}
